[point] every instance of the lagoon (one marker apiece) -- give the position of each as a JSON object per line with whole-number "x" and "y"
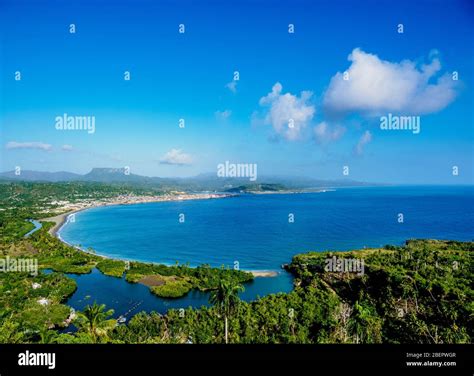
{"x": 127, "y": 299}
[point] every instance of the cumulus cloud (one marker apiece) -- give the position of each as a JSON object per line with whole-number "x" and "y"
{"x": 325, "y": 133}
{"x": 376, "y": 86}
{"x": 176, "y": 157}
{"x": 363, "y": 140}
{"x": 67, "y": 148}
{"x": 223, "y": 115}
{"x": 232, "y": 86}
{"x": 288, "y": 114}
{"x": 29, "y": 145}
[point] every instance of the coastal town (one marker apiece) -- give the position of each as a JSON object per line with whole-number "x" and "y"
{"x": 128, "y": 199}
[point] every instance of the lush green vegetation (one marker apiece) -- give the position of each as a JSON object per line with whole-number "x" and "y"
{"x": 418, "y": 293}
{"x": 20, "y": 201}
{"x": 226, "y": 300}
{"x": 113, "y": 268}
{"x": 34, "y": 304}
{"x": 183, "y": 278}
{"x": 258, "y": 188}
{"x": 172, "y": 289}
{"x": 21, "y": 310}
{"x": 95, "y": 321}
{"x": 421, "y": 292}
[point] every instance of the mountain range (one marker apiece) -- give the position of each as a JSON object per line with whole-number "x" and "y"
{"x": 207, "y": 181}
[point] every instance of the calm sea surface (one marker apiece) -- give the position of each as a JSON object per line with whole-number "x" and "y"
{"x": 254, "y": 231}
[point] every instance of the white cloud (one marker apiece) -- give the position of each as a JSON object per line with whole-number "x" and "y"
{"x": 176, "y": 157}
{"x": 375, "y": 86}
{"x": 67, "y": 147}
{"x": 324, "y": 133}
{"x": 363, "y": 140}
{"x": 223, "y": 115}
{"x": 29, "y": 145}
{"x": 288, "y": 114}
{"x": 232, "y": 86}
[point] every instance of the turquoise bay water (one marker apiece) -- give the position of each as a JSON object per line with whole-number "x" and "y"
{"x": 254, "y": 230}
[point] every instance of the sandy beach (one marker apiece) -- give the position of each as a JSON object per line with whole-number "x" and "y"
{"x": 72, "y": 208}
{"x": 59, "y": 220}
{"x": 264, "y": 273}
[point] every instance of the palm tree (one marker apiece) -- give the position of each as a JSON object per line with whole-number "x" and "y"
{"x": 46, "y": 335}
{"x": 226, "y": 299}
{"x": 357, "y": 322}
{"x": 95, "y": 320}
{"x": 365, "y": 324}
{"x": 10, "y": 332}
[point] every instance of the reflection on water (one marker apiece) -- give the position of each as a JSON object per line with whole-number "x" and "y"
{"x": 127, "y": 299}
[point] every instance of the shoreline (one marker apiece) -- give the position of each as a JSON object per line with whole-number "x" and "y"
{"x": 62, "y": 219}
{"x": 291, "y": 192}
{"x": 256, "y": 273}
{"x": 59, "y": 220}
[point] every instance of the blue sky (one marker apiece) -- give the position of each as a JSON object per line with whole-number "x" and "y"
{"x": 282, "y": 76}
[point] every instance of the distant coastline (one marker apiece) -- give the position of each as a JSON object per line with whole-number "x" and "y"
{"x": 70, "y": 208}
{"x": 62, "y": 219}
